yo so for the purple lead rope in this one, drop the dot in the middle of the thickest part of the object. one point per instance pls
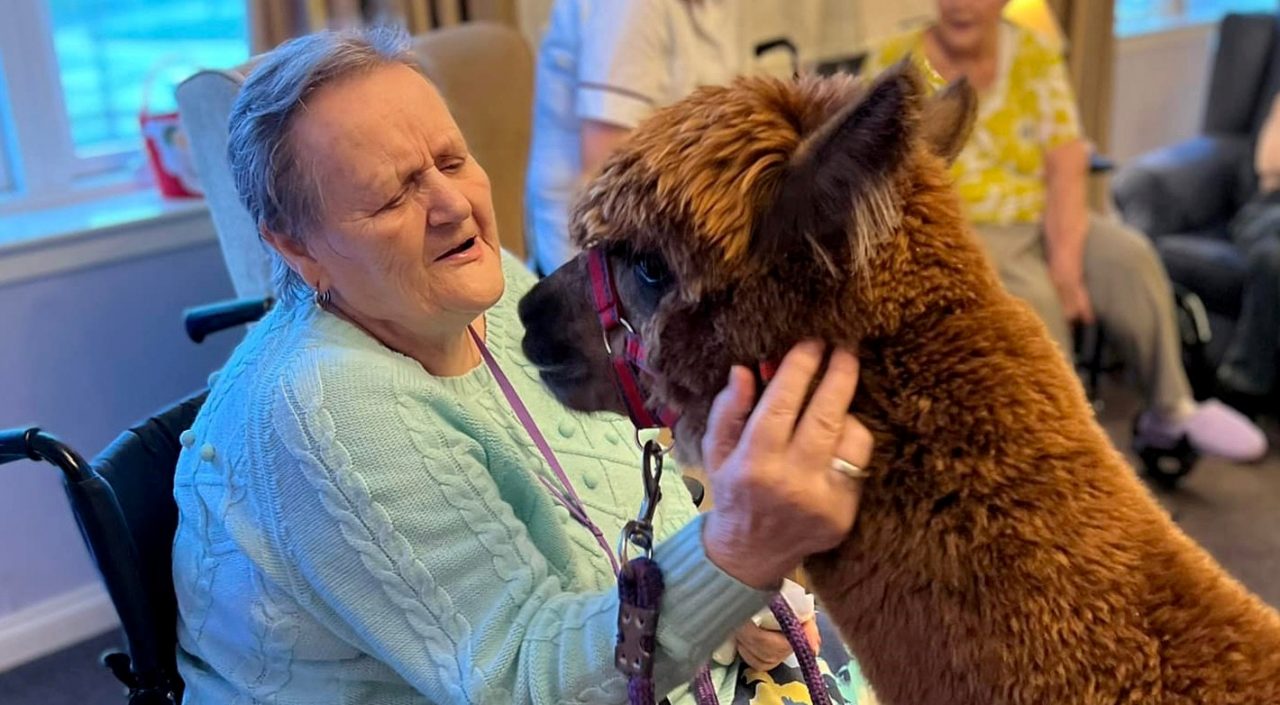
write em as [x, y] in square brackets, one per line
[704, 691]
[794, 630]
[565, 495]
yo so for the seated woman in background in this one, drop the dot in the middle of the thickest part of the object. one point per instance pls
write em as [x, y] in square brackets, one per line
[1247, 374]
[1022, 180]
[363, 516]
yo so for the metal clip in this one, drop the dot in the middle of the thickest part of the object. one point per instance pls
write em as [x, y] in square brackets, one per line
[639, 531]
[626, 325]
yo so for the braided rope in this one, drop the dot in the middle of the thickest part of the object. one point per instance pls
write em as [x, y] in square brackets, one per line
[704, 690]
[794, 632]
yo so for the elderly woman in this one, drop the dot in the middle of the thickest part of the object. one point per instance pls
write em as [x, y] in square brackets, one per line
[364, 516]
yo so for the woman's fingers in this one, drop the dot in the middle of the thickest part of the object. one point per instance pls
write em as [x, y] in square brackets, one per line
[856, 443]
[812, 634]
[770, 426]
[774, 482]
[824, 418]
[758, 661]
[761, 648]
[727, 418]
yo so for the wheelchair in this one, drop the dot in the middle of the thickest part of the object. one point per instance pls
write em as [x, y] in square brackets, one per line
[1165, 467]
[123, 504]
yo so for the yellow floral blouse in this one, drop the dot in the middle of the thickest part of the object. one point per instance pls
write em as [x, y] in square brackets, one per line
[1029, 111]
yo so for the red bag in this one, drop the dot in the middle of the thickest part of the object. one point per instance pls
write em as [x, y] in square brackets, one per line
[169, 154]
[168, 149]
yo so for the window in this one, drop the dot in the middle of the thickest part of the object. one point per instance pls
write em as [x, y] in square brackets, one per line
[1146, 16]
[87, 69]
[6, 148]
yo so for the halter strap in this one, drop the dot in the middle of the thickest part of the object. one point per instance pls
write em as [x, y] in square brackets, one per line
[630, 363]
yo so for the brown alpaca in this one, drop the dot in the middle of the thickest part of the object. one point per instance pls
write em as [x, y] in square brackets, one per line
[1004, 553]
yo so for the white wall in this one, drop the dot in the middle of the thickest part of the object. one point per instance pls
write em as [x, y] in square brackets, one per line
[84, 354]
[832, 27]
[1160, 85]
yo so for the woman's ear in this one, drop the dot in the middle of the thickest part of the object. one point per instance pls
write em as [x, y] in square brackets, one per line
[297, 256]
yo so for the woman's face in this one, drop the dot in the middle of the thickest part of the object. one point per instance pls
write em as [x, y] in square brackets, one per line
[406, 238]
[963, 25]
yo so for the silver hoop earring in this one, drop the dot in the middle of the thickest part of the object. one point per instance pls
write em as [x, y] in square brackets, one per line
[323, 297]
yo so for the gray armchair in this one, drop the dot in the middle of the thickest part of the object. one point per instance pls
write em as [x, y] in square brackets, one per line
[1183, 196]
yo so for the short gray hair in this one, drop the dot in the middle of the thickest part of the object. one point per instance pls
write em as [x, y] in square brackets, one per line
[273, 184]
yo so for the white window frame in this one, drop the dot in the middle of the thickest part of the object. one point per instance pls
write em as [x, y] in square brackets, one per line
[8, 145]
[1172, 15]
[42, 168]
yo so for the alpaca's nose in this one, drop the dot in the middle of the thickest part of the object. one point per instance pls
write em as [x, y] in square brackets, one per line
[541, 313]
[560, 326]
[533, 306]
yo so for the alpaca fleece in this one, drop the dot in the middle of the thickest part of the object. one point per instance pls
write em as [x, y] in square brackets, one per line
[1004, 552]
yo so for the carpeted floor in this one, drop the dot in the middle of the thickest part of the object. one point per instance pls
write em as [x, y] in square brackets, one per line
[69, 677]
[1234, 511]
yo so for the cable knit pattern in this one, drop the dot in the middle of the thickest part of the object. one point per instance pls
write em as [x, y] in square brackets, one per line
[466, 497]
[385, 553]
[359, 531]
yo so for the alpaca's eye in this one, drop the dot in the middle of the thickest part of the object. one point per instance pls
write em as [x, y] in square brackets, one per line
[652, 270]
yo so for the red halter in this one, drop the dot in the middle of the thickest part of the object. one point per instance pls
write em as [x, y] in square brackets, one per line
[630, 365]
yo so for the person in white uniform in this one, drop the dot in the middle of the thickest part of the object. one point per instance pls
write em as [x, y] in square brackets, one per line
[604, 65]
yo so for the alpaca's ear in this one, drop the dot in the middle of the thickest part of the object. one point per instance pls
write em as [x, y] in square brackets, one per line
[948, 118]
[840, 174]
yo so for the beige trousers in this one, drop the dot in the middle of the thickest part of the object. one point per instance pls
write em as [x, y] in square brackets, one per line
[1128, 287]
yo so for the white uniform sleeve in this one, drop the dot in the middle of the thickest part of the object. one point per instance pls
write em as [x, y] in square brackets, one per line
[624, 72]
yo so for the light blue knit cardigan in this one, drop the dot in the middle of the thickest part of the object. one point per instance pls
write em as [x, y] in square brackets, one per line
[355, 530]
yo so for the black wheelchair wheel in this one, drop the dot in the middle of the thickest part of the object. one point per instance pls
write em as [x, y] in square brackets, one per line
[1196, 334]
[1165, 466]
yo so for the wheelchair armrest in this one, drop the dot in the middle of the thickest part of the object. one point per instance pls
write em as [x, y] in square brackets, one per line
[203, 321]
[15, 444]
[1192, 185]
[1100, 163]
[34, 444]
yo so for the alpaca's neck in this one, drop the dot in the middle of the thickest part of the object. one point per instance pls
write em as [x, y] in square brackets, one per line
[943, 329]
[933, 268]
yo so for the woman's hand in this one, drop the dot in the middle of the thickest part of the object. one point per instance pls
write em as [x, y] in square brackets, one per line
[1069, 283]
[778, 500]
[764, 649]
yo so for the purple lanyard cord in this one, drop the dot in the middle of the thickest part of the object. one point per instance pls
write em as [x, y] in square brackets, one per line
[565, 495]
